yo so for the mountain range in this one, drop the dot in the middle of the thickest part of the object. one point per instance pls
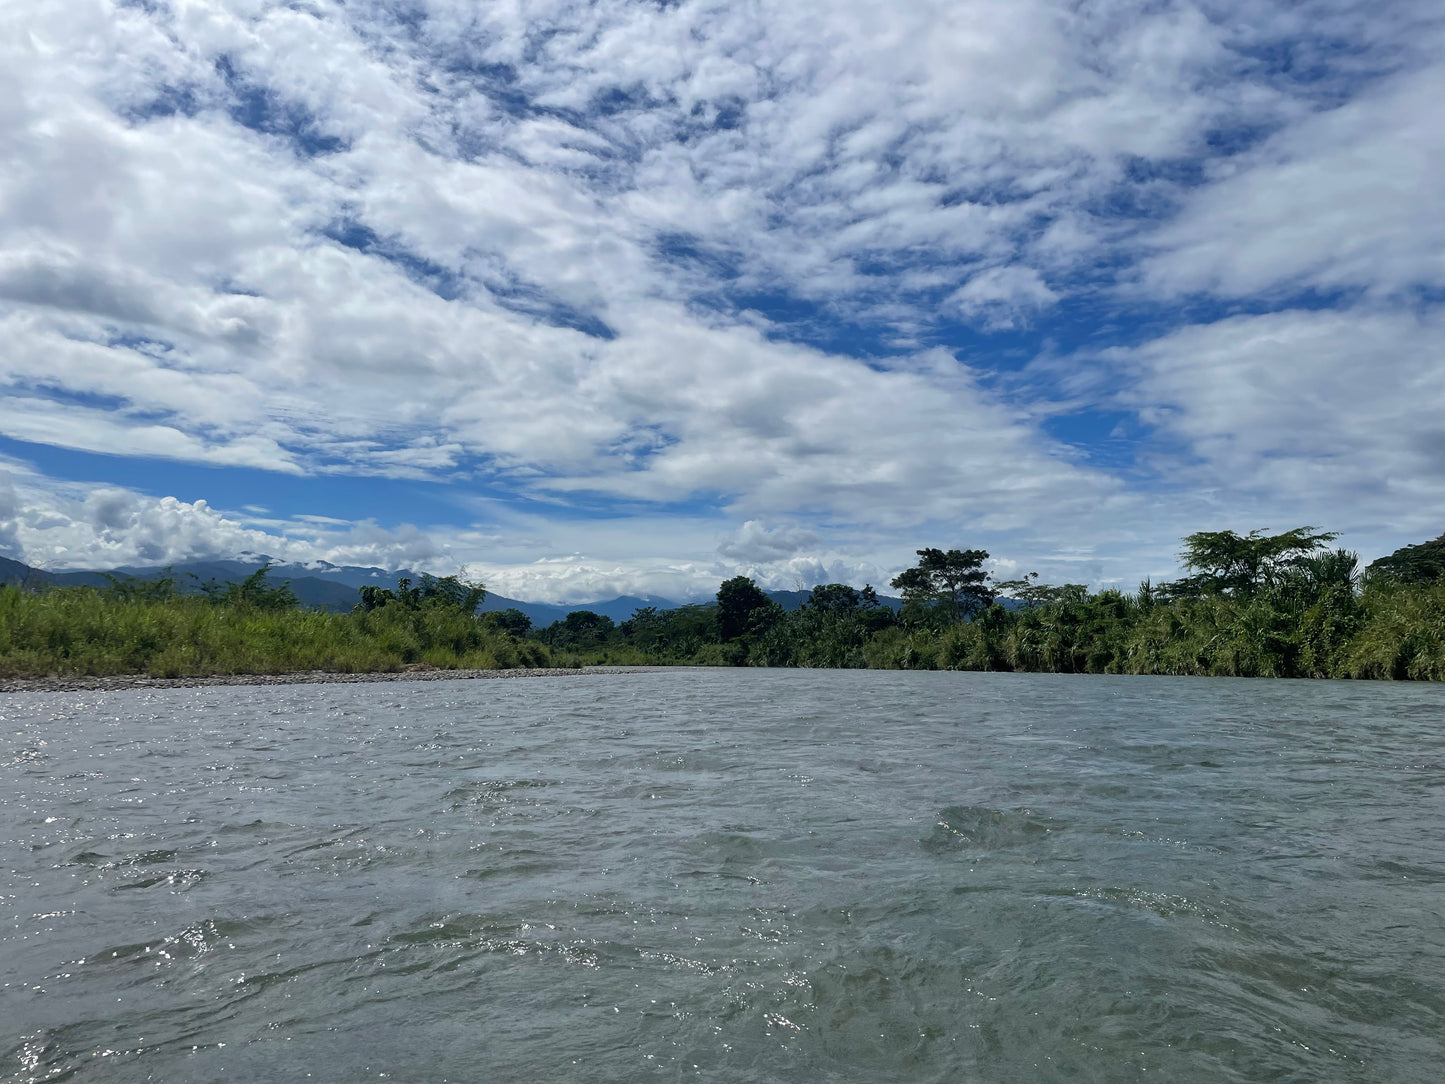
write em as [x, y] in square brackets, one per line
[322, 585]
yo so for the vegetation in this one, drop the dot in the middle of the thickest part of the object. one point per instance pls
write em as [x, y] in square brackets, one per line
[1255, 605]
[1424, 563]
[248, 628]
[944, 588]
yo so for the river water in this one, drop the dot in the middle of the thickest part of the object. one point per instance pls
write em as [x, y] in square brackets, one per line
[727, 876]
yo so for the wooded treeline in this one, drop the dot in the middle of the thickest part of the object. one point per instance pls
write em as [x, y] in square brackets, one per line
[1256, 605]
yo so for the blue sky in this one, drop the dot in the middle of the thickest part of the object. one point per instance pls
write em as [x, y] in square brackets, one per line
[591, 298]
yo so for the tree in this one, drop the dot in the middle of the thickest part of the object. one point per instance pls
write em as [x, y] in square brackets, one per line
[743, 609]
[834, 598]
[1031, 593]
[253, 591]
[587, 623]
[511, 620]
[130, 589]
[1411, 564]
[953, 582]
[1225, 563]
[450, 591]
[429, 593]
[675, 635]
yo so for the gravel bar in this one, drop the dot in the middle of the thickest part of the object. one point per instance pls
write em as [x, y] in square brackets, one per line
[117, 682]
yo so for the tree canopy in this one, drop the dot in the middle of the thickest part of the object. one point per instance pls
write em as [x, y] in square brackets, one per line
[1280, 605]
[1225, 563]
[254, 591]
[743, 609]
[429, 592]
[511, 620]
[953, 581]
[1420, 563]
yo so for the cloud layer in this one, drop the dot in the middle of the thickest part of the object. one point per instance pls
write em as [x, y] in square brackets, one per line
[789, 288]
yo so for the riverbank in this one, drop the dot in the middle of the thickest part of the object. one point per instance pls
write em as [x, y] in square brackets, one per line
[123, 682]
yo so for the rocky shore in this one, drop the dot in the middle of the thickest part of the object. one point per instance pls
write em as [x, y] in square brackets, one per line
[118, 682]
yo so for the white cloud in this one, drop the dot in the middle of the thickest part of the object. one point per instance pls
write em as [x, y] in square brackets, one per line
[1306, 416]
[65, 526]
[1350, 198]
[513, 243]
[754, 541]
[10, 545]
[1002, 297]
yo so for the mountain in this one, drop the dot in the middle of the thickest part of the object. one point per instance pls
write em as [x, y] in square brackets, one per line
[20, 575]
[791, 600]
[320, 585]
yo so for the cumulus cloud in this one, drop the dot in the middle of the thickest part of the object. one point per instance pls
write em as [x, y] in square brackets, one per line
[9, 527]
[587, 252]
[1310, 416]
[1001, 297]
[1349, 198]
[756, 542]
[63, 527]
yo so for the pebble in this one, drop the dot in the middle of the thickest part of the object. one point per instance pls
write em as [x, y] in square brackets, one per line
[118, 682]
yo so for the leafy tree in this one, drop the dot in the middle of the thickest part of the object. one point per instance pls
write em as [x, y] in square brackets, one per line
[1026, 589]
[130, 589]
[373, 597]
[830, 628]
[511, 620]
[579, 630]
[834, 598]
[253, 592]
[671, 635]
[871, 614]
[952, 582]
[587, 622]
[451, 591]
[1225, 563]
[429, 593]
[1423, 563]
[744, 610]
[643, 629]
[1032, 593]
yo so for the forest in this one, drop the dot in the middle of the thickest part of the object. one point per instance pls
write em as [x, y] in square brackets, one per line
[1252, 605]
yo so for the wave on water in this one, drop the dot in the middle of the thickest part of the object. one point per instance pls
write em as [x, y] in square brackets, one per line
[728, 876]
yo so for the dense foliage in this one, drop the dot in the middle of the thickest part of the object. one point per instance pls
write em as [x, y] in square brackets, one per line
[248, 628]
[1254, 605]
[1412, 564]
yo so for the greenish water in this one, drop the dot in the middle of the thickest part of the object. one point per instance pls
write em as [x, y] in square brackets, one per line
[726, 875]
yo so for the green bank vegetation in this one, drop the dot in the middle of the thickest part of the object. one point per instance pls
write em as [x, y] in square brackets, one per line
[248, 628]
[1255, 605]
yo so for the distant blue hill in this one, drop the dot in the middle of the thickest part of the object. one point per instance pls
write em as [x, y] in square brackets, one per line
[791, 600]
[322, 585]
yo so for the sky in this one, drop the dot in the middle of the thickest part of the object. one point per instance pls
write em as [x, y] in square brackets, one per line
[581, 299]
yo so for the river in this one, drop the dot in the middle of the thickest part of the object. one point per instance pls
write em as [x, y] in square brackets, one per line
[726, 875]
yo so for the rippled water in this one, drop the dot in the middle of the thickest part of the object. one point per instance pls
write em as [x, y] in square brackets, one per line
[726, 875]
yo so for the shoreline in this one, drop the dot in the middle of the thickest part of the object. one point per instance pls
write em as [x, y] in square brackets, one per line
[123, 682]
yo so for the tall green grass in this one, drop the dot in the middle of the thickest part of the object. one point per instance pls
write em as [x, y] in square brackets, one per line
[1388, 631]
[81, 631]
